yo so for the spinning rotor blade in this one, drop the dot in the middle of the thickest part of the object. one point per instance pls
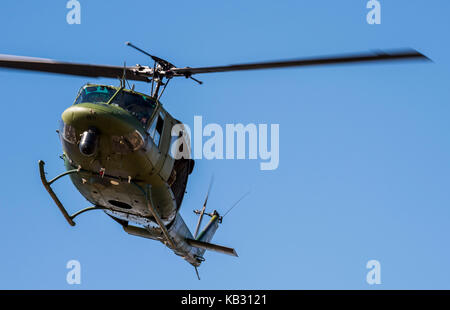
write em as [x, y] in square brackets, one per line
[202, 212]
[53, 66]
[376, 56]
[168, 70]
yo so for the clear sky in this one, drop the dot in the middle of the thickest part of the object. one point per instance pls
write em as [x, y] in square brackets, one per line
[364, 167]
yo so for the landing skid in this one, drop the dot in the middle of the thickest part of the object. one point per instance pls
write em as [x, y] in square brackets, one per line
[47, 185]
[69, 218]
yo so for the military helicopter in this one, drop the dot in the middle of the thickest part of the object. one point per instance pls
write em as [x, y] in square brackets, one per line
[116, 145]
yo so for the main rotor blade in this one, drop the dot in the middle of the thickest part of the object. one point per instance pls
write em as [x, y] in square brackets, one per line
[376, 56]
[53, 66]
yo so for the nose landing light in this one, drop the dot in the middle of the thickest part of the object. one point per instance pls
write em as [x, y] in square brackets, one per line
[89, 142]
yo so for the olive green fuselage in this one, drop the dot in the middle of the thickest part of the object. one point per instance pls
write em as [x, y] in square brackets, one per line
[128, 155]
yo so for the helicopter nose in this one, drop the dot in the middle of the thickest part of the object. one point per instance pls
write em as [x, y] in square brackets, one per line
[106, 120]
[89, 142]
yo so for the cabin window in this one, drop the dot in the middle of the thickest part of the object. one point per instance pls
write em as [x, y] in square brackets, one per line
[156, 129]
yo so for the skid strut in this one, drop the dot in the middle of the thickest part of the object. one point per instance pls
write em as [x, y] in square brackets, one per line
[155, 215]
[47, 185]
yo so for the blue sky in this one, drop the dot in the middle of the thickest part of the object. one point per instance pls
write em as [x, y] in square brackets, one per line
[364, 150]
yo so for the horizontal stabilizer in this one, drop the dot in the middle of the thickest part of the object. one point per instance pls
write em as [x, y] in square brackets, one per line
[141, 232]
[212, 247]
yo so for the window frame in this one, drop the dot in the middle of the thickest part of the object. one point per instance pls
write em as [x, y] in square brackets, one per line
[152, 129]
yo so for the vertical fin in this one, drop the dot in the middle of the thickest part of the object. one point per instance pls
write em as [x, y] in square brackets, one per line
[210, 229]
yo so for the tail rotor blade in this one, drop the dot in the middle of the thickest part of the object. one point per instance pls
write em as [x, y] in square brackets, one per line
[202, 212]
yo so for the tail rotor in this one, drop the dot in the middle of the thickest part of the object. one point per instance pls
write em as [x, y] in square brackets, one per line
[202, 211]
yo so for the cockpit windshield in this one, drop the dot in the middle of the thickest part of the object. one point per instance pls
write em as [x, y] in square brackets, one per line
[140, 106]
[95, 94]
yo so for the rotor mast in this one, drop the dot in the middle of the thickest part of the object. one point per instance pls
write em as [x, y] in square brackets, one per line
[160, 65]
[161, 69]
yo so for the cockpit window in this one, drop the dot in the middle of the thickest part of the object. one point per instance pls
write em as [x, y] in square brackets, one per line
[138, 105]
[95, 94]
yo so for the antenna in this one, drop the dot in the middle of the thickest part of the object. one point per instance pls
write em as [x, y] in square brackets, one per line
[123, 79]
[235, 204]
[196, 271]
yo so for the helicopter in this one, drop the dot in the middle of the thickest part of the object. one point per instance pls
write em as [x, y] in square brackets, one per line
[117, 145]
